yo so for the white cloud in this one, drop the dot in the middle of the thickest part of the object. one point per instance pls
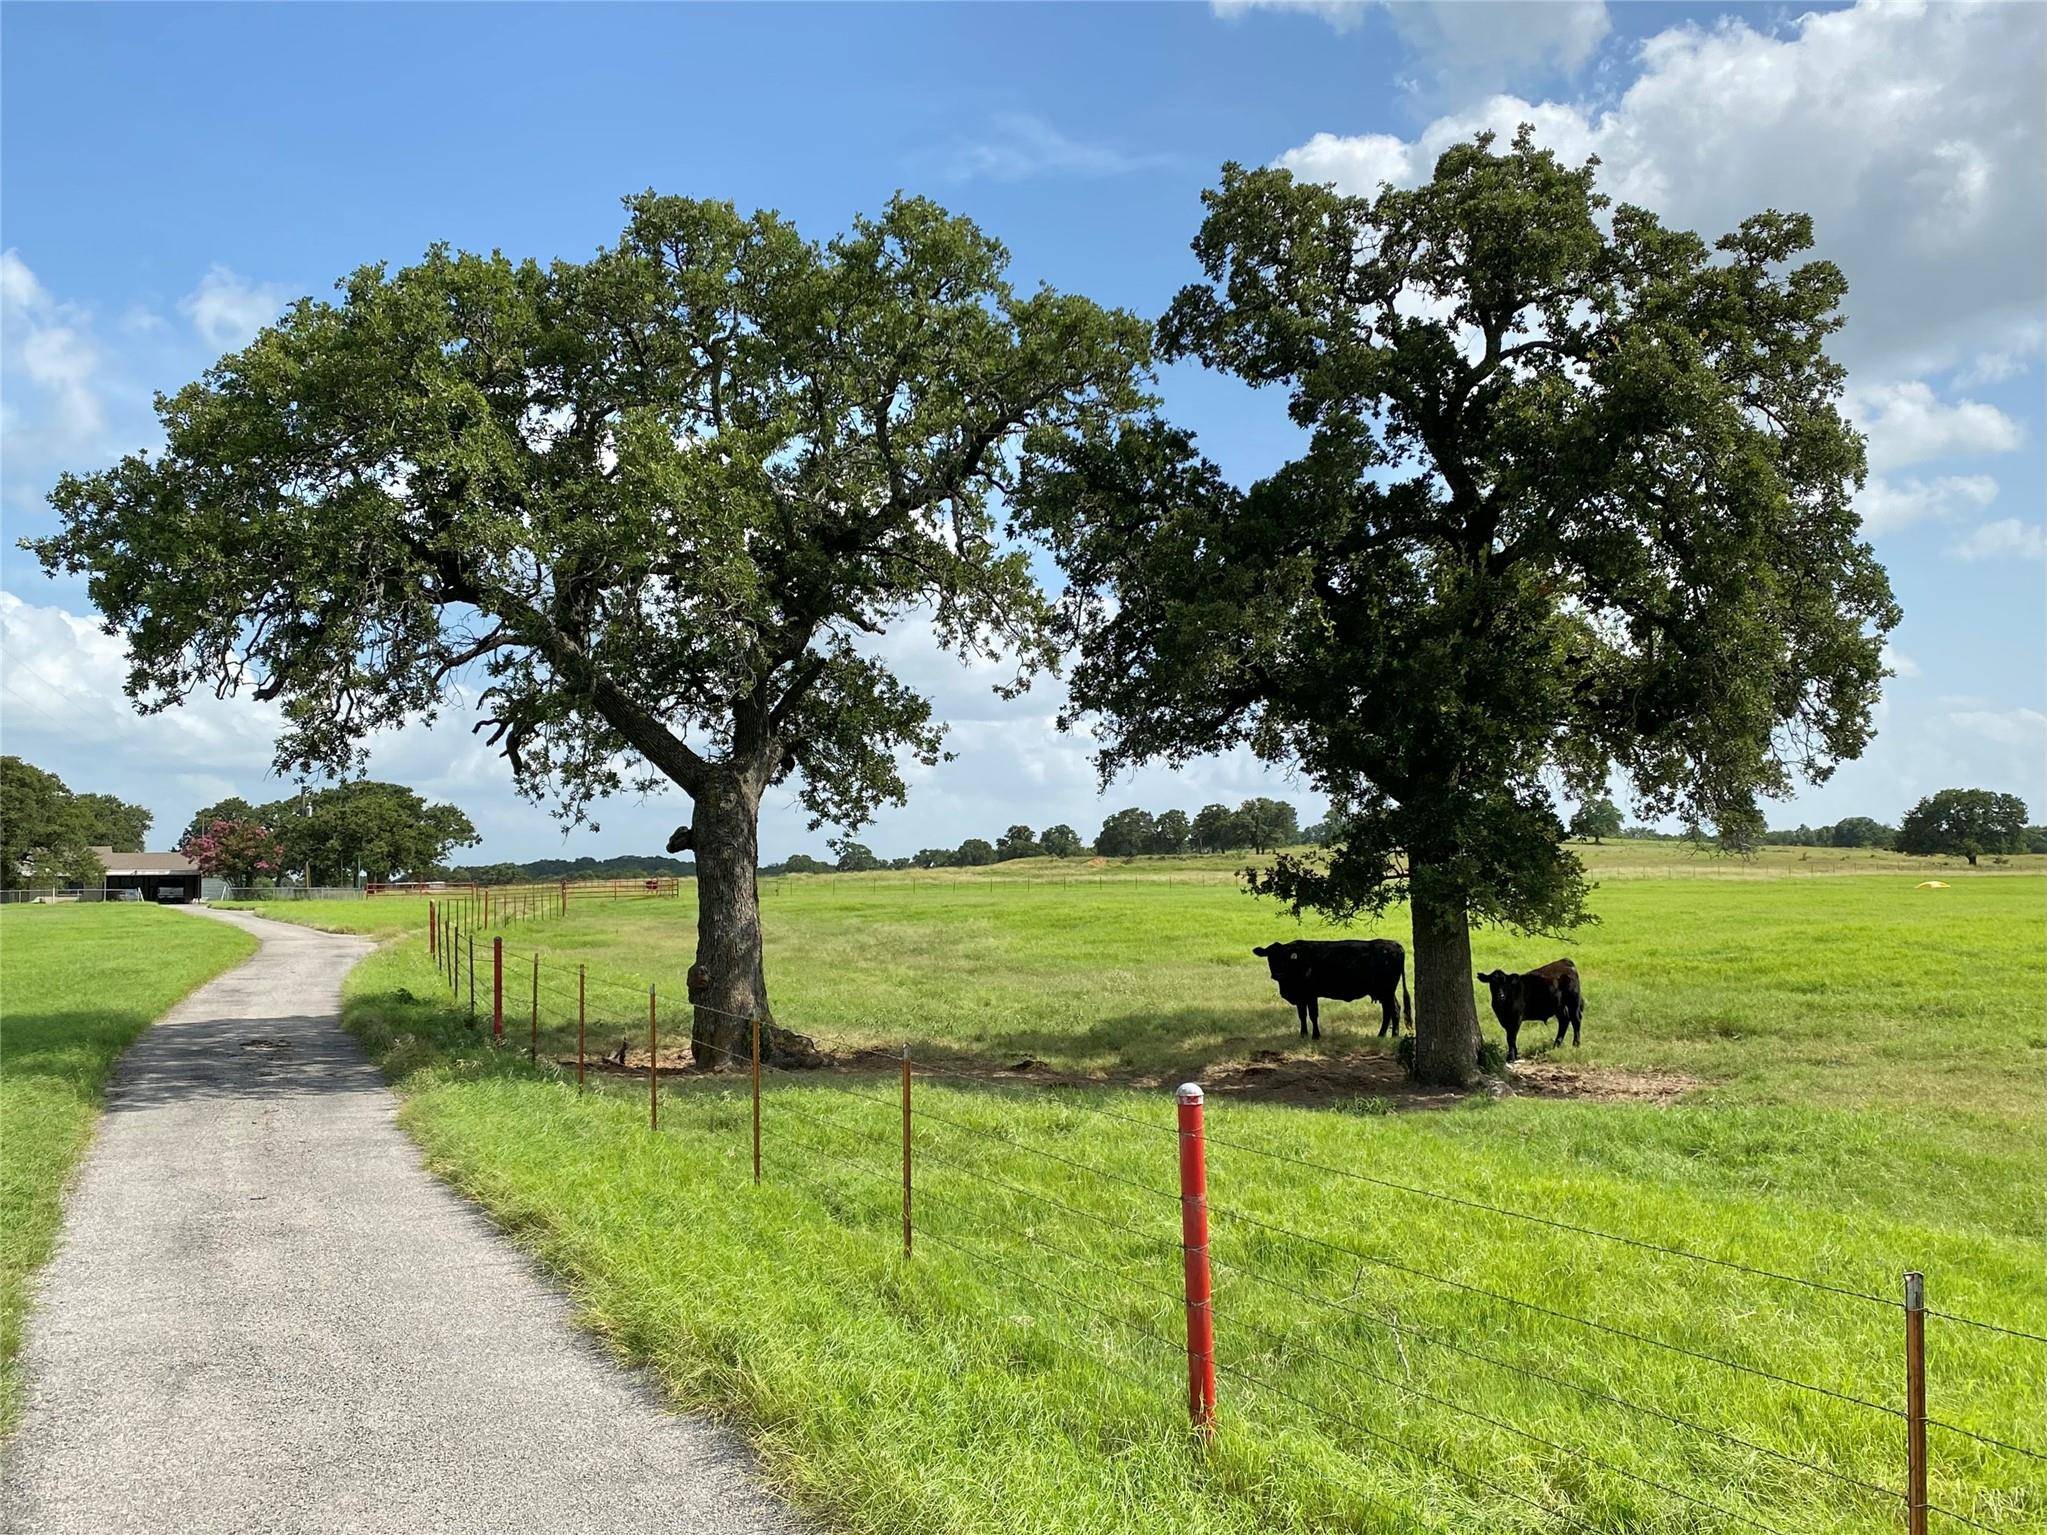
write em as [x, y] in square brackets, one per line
[1898, 663]
[2004, 727]
[1021, 146]
[1468, 45]
[2006, 539]
[1907, 424]
[49, 348]
[227, 309]
[1911, 133]
[1887, 506]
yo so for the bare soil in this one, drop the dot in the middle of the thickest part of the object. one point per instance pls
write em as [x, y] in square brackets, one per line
[1267, 1076]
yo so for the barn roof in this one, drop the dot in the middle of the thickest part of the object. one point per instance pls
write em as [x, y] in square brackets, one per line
[144, 863]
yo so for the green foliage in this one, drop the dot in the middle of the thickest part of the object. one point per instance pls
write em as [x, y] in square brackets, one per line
[1576, 498]
[974, 852]
[1966, 822]
[384, 831]
[1017, 842]
[80, 982]
[1126, 834]
[113, 823]
[1596, 820]
[854, 857]
[47, 833]
[1062, 841]
[1170, 831]
[1268, 823]
[1216, 829]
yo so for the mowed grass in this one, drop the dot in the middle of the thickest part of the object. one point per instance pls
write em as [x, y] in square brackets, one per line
[1867, 1060]
[77, 984]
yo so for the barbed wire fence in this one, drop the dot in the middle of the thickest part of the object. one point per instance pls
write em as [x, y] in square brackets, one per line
[927, 1159]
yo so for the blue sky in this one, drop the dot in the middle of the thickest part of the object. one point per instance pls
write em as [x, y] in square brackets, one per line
[169, 176]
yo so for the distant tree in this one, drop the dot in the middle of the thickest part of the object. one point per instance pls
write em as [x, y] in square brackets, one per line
[974, 853]
[114, 823]
[854, 857]
[1061, 841]
[1596, 820]
[935, 858]
[1017, 842]
[2036, 839]
[1268, 823]
[1968, 822]
[1574, 496]
[233, 808]
[899, 863]
[44, 836]
[1170, 832]
[1126, 834]
[237, 851]
[1861, 831]
[365, 828]
[802, 863]
[1217, 829]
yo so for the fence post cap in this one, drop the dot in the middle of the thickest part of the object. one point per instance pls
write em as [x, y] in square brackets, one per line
[1190, 1092]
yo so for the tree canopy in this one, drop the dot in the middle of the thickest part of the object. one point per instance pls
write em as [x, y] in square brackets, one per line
[648, 505]
[1576, 498]
[47, 833]
[1964, 822]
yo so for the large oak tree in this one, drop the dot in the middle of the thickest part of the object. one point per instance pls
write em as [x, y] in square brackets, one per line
[1575, 497]
[655, 498]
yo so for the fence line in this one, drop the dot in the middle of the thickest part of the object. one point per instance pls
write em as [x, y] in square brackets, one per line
[871, 1150]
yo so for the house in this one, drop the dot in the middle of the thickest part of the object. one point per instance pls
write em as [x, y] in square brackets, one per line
[159, 876]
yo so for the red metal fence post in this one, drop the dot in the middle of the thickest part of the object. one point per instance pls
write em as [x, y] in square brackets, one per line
[1194, 1248]
[653, 1064]
[497, 989]
[906, 1149]
[1915, 1403]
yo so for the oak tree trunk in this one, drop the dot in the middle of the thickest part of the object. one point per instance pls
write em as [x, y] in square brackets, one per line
[727, 986]
[1445, 1015]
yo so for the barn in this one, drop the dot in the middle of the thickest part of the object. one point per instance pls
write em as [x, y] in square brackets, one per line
[158, 876]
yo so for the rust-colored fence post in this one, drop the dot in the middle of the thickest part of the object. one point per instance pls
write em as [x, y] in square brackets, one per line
[756, 1100]
[1194, 1248]
[582, 991]
[433, 932]
[497, 990]
[906, 1148]
[1915, 1403]
[653, 1063]
[533, 1050]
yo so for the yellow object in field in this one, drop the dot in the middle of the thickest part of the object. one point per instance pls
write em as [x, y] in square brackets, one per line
[1931, 884]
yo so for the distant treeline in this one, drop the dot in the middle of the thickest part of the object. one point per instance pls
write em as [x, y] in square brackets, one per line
[625, 866]
[1960, 821]
[1257, 825]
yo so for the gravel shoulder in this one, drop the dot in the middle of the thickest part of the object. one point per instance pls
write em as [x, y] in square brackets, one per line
[265, 1315]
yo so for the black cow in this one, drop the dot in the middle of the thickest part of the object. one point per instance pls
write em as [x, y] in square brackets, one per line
[1343, 970]
[1534, 995]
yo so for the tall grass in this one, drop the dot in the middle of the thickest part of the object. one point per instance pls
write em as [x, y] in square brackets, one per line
[1867, 1058]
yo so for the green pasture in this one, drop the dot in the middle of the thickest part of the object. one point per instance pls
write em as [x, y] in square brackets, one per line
[1847, 1081]
[77, 984]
